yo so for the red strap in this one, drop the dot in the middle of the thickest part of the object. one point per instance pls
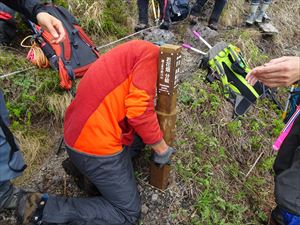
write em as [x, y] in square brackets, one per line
[65, 82]
[5, 15]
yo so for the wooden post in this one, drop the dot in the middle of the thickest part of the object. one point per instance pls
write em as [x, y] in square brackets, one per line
[168, 71]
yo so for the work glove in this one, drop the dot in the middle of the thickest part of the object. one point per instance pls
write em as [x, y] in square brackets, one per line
[164, 158]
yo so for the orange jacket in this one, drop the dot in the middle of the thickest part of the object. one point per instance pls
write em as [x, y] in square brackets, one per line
[114, 99]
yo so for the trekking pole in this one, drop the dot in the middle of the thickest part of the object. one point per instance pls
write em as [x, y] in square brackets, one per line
[202, 39]
[284, 113]
[17, 72]
[187, 46]
[154, 12]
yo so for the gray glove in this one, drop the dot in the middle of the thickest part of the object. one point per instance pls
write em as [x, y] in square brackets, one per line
[164, 158]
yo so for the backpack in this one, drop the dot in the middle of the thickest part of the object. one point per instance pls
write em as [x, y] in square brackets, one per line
[74, 55]
[231, 68]
[179, 10]
[292, 103]
[7, 24]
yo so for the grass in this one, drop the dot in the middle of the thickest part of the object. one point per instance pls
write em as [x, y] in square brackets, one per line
[214, 152]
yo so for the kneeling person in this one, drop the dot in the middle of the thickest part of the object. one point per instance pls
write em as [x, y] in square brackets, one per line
[114, 103]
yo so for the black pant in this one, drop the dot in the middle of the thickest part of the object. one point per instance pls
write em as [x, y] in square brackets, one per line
[216, 13]
[143, 6]
[287, 172]
[119, 203]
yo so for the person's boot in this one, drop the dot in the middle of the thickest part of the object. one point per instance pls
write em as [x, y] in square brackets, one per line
[213, 25]
[81, 181]
[12, 201]
[260, 17]
[140, 26]
[252, 16]
[276, 217]
[165, 25]
[30, 208]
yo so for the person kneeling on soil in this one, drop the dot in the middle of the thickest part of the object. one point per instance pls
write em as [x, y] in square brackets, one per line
[284, 72]
[215, 15]
[112, 111]
[11, 160]
[258, 18]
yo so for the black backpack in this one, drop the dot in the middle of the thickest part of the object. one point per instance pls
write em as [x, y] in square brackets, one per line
[7, 24]
[180, 9]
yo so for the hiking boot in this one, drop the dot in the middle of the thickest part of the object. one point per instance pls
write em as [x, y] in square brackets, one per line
[193, 20]
[259, 18]
[276, 217]
[251, 19]
[81, 181]
[266, 18]
[213, 26]
[165, 25]
[140, 26]
[30, 208]
[11, 202]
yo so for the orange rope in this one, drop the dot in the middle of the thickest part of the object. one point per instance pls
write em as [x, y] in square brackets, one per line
[35, 55]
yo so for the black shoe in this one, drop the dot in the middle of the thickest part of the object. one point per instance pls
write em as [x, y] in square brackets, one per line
[213, 26]
[276, 217]
[140, 26]
[165, 25]
[193, 19]
[13, 200]
[81, 181]
[30, 208]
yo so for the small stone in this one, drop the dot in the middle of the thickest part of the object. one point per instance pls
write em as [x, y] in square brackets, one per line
[154, 197]
[145, 209]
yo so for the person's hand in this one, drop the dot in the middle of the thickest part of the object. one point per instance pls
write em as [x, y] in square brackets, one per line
[162, 153]
[52, 25]
[278, 72]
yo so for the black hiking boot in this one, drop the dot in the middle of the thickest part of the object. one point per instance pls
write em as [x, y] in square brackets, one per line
[12, 201]
[276, 217]
[213, 26]
[165, 25]
[140, 26]
[30, 208]
[81, 181]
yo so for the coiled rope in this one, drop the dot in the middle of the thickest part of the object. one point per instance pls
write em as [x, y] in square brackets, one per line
[35, 54]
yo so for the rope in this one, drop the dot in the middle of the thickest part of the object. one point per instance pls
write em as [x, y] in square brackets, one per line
[35, 55]
[17, 72]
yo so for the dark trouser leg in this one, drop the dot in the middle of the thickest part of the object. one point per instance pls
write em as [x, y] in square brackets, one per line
[287, 172]
[114, 178]
[197, 7]
[216, 13]
[6, 191]
[143, 11]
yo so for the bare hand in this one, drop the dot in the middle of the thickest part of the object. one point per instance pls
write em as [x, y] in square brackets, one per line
[160, 147]
[278, 72]
[52, 25]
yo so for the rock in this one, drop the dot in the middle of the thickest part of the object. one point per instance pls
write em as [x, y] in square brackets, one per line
[154, 197]
[145, 209]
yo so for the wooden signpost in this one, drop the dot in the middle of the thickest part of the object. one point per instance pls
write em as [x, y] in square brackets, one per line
[168, 71]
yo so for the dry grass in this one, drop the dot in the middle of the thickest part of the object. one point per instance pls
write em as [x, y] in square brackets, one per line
[58, 104]
[34, 149]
